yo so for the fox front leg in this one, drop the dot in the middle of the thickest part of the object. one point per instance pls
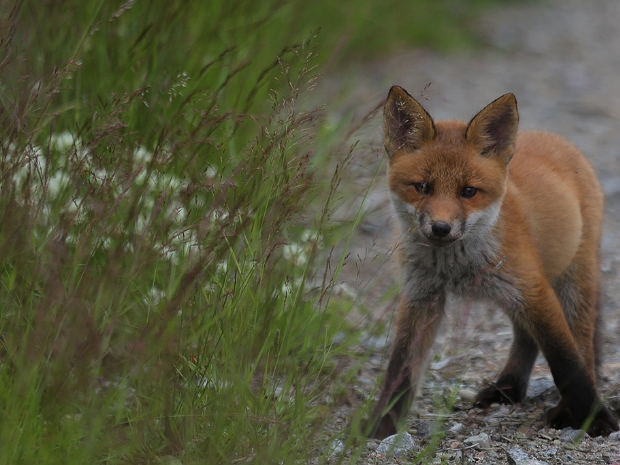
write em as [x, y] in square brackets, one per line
[416, 329]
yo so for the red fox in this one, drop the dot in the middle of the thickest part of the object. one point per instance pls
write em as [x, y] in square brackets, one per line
[485, 212]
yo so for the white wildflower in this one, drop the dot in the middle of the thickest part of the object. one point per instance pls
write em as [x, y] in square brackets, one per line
[219, 215]
[345, 290]
[287, 288]
[310, 236]
[153, 296]
[211, 172]
[63, 141]
[179, 214]
[222, 267]
[57, 183]
[142, 156]
[295, 254]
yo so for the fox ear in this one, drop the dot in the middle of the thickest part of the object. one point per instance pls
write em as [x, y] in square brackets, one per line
[494, 129]
[406, 124]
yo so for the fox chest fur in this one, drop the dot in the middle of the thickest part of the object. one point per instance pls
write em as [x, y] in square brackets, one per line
[470, 269]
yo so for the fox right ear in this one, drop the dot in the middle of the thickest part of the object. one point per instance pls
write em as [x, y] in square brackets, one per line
[406, 124]
[494, 129]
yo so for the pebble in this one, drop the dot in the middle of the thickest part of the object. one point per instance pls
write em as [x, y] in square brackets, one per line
[335, 448]
[482, 440]
[456, 428]
[425, 429]
[517, 456]
[540, 386]
[375, 343]
[572, 435]
[397, 445]
[467, 394]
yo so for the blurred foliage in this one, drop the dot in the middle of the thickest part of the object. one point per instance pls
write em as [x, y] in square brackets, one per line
[161, 212]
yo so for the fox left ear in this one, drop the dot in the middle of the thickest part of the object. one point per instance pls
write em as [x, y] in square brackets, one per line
[406, 123]
[494, 129]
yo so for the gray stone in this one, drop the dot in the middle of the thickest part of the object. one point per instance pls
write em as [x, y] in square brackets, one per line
[467, 394]
[397, 445]
[335, 448]
[517, 456]
[482, 441]
[456, 428]
[572, 435]
[540, 386]
[425, 429]
[374, 343]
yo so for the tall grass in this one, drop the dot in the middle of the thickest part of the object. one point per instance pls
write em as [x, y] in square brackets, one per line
[160, 212]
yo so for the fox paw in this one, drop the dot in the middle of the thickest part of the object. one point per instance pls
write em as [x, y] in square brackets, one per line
[603, 424]
[495, 394]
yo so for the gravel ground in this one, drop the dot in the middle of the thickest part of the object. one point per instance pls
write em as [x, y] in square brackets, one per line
[561, 58]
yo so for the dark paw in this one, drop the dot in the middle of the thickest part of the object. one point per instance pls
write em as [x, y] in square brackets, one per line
[495, 394]
[603, 423]
[379, 428]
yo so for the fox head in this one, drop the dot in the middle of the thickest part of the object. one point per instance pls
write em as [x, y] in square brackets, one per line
[447, 179]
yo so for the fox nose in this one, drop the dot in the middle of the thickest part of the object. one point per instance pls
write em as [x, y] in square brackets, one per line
[441, 229]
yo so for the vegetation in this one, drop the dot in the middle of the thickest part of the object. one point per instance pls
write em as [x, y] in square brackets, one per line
[165, 188]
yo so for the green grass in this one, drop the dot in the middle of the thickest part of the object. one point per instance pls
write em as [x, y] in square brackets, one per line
[164, 192]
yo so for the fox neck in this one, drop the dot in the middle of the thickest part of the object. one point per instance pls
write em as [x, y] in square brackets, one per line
[429, 270]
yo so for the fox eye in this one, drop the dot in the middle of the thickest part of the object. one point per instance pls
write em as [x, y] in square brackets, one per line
[468, 192]
[422, 188]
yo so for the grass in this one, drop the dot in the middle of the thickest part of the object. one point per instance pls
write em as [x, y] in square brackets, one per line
[165, 190]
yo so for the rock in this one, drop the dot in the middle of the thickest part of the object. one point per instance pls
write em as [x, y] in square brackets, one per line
[397, 445]
[482, 440]
[425, 429]
[441, 364]
[374, 343]
[540, 386]
[335, 448]
[456, 428]
[467, 394]
[572, 435]
[517, 456]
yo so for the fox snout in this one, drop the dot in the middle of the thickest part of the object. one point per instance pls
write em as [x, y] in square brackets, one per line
[440, 232]
[441, 229]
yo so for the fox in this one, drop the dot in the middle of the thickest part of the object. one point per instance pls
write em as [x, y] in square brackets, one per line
[485, 212]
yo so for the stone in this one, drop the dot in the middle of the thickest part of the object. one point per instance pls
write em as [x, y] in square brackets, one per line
[572, 435]
[517, 456]
[539, 387]
[335, 448]
[482, 441]
[425, 429]
[397, 445]
[457, 428]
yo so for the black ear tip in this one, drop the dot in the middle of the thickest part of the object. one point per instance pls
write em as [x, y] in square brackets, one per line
[397, 91]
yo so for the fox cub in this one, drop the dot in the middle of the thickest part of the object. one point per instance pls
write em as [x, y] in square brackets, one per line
[485, 212]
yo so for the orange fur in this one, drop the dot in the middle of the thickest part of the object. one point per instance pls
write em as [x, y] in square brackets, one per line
[486, 212]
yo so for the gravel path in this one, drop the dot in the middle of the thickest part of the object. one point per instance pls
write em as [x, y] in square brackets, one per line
[561, 58]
